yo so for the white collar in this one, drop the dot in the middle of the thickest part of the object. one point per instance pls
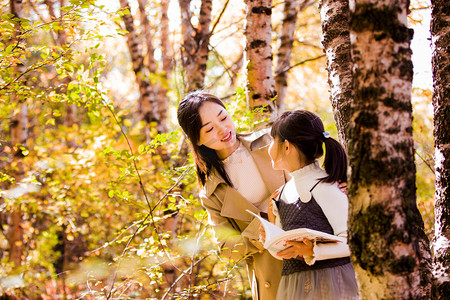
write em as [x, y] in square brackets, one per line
[302, 181]
[306, 169]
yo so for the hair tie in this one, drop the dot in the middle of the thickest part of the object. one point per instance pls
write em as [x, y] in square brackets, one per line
[326, 134]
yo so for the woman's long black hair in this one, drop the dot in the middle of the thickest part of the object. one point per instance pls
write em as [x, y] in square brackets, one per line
[305, 131]
[189, 119]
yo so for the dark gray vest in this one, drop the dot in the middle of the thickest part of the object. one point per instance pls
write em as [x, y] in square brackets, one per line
[305, 215]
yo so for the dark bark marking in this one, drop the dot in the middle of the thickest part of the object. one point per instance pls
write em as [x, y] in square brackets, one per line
[262, 10]
[382, 20]
[361, 235]
[257, 43]
[367, 119]
[397, 105]
[403, 265]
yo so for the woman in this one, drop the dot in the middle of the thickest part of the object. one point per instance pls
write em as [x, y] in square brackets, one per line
[235, 174]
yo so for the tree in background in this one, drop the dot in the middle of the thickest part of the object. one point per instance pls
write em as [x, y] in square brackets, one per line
[291, 9]
[61, 41]
[440, 30]
[283, 57]
[391, 256]
[148, 107]
[166, 59]
[260, 87]
[195, 47]
[19, 136]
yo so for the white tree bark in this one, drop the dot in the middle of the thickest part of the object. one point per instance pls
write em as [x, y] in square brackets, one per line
[260, 81]
[386, 236]
[440, 30]
[336, 43]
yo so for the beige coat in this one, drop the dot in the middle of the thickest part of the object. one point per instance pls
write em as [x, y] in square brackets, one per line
[236, 231]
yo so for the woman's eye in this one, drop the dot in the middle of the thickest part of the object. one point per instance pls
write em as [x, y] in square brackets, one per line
[224, 118]
[209, 130]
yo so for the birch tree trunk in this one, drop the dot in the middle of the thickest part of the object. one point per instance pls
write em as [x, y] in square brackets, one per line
[160, 91]
[195, 43]
[283, 57]
[336, 43]
[165, 39]
[260, 81]
[19, 134]
[440, 31]
[146, 32]
[147, 101]
[389, 248]
[291, 9]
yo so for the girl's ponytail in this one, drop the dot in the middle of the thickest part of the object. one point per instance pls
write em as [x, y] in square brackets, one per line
[335, 162]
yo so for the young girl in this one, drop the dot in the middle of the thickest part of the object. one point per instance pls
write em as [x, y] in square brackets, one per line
[235, 174]
[311, 199]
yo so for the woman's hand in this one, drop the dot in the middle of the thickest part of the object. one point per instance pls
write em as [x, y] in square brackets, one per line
[270, 214]
[343, 186]
[303, 248]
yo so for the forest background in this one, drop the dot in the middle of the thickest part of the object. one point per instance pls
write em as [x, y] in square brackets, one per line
[99, 195]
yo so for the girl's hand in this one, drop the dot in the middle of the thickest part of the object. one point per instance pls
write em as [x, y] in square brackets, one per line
[303, 248]
[262, 234]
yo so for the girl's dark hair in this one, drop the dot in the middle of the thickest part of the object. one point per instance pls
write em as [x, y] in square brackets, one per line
[189, 119]
[305, 131]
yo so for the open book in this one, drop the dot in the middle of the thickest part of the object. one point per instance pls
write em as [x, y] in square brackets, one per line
[276, 237]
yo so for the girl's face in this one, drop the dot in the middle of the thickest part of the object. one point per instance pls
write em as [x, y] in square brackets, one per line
[218, 131]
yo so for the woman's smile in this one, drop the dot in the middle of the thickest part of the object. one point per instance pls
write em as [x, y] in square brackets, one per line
[228, 137]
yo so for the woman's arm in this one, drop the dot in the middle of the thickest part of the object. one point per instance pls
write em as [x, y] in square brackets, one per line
[232, 242]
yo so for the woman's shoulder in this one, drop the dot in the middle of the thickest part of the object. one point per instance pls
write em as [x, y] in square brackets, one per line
[256, 140]
[211, 184]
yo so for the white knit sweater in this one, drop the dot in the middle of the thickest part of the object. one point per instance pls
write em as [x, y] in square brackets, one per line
[239, 165]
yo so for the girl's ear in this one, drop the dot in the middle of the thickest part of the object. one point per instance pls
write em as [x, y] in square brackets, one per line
[287, 146]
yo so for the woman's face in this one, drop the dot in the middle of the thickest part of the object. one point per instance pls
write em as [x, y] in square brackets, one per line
[218, 131]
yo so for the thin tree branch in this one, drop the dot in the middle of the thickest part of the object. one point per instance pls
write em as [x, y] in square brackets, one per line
[426, 162]
[219, 17]
[299, 63]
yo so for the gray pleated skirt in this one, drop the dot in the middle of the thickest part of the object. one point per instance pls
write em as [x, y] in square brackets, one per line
[337, 283]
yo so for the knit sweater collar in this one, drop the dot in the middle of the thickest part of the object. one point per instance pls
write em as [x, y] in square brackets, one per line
[306, 171]
[302, 181]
